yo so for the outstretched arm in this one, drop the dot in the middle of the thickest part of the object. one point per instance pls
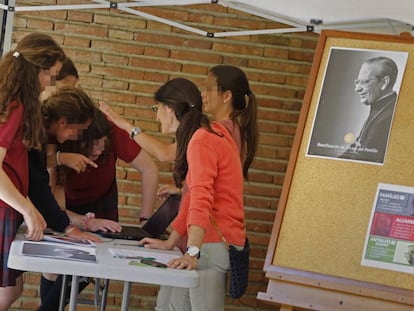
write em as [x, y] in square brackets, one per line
[161, 150]
[149, 172]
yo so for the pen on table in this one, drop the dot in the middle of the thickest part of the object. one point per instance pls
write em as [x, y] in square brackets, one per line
[127, 244]
[133, 257]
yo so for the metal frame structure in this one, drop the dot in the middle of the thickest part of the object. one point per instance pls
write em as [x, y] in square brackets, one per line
[314, 25]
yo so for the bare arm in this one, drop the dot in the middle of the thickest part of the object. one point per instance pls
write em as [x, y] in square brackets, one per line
[164, 152]
[161, 150]
[149, 172]
[195, 238]
[10, 195]
[172, 241]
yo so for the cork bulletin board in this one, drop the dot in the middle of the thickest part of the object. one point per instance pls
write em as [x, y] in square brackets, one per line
[327, 198]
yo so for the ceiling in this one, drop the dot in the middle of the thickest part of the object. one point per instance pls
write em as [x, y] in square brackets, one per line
[379, 16]
[336, 12]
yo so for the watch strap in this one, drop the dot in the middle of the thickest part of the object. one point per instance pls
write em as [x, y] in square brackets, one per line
[135, 131]
[189, 251]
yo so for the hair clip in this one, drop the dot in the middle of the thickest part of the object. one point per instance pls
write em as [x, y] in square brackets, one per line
[16, 54]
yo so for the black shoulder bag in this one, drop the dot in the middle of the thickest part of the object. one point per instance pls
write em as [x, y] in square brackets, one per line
[239, 266]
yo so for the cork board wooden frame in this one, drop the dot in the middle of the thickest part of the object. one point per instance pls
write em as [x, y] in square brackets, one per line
[314, 255]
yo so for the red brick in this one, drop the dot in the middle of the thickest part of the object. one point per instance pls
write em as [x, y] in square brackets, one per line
[80, 16]
[41, 24]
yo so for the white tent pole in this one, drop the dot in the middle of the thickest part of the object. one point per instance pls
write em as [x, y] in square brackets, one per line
[62, 7]
[163, 2]
[107, 4]
[123, 7]
[309, 28]
[259, 32]
[8, 30]
[262, 13]
[165, 21]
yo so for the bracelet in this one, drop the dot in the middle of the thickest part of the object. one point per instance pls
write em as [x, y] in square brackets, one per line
[141, 219]
[85, 219]
[58, 158]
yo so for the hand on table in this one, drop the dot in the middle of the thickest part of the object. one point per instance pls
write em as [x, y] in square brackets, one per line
[156, 243]
[186, 262]
[84, 235]
[101, 224]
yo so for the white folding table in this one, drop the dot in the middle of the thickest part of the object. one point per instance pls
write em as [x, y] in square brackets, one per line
[106, 267]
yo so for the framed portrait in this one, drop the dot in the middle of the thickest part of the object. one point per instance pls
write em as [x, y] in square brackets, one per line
[314, 256]
[356, 104]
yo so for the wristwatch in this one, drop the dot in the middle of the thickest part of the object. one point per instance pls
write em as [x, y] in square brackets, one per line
[193, 251]
[135, 131]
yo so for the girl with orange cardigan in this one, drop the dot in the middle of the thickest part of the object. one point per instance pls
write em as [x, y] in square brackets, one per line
[208, 160]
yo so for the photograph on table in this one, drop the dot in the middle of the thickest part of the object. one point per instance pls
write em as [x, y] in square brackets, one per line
[59, 251]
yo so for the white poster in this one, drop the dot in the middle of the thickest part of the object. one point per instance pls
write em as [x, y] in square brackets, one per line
[389, 242]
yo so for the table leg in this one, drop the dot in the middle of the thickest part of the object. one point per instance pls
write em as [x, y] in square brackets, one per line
[74, 293]
[104, 294]
[63, 292]
[125, 296]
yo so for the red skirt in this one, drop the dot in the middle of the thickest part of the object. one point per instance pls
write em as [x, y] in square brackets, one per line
[10, 220]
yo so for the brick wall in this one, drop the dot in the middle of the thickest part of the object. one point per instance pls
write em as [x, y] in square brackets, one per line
[123, 59]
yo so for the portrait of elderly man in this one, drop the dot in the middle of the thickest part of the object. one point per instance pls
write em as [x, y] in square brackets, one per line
[374, 86]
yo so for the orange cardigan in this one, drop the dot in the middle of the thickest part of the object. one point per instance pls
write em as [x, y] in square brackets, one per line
[215, 187]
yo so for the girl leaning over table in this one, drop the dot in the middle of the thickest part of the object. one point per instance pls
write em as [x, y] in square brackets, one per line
[67, 115]
[87, 175]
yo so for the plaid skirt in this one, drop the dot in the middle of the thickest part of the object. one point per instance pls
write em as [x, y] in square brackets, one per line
[10, 220]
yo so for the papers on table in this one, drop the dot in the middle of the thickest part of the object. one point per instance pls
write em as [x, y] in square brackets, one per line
[146, 253]
[59, 251]
[53, 236]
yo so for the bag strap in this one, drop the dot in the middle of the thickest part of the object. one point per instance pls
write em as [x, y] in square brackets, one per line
[213, 222]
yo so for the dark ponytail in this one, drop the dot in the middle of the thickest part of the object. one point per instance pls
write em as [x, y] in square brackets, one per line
[233, 79]
[183, 96]
[247, 120]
